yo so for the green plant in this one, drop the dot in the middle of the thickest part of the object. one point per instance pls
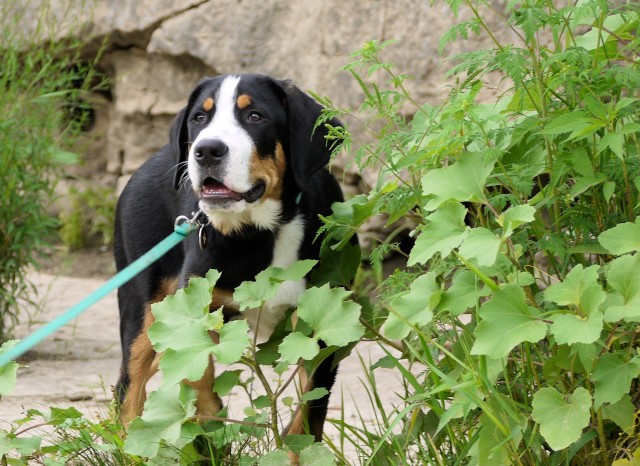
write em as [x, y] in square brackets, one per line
[519, 309]
[89, 214]
[43, 80]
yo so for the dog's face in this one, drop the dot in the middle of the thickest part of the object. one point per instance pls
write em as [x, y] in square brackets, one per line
[241, 138]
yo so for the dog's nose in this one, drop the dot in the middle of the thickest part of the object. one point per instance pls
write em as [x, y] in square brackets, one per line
[210, 151]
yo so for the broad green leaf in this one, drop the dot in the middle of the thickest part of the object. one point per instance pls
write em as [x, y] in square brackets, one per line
[297, 442]
[413, 308]
[226, 381]
[569, 291]
[622, 413]
[506, 321]
[296, 345]
[480, 245]
[8, 372]
[164, 413]
[514, 217]
[561, 419]
[580, 289]
[234, 340]
[445, 231]
[461, 181]
[464, 293]
[624, 278]
[621, 239]
[570, 328]
[317, 455]
[613, 376]
[274, 458]
[253, 294]
[334, 320]
[181, 331]
[337, 267]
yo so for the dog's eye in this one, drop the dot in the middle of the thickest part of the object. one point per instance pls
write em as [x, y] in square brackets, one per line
[199, 117]
[254, 116]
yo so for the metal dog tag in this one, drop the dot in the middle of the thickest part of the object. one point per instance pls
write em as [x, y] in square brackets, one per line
[203, 238]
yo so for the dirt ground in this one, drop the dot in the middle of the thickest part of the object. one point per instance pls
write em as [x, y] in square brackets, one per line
[79, 365]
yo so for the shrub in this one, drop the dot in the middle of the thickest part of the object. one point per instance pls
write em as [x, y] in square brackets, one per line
[520, 297]
[41, 113]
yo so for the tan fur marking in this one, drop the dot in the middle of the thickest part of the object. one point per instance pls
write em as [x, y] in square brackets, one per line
[143, 363]
[207, 403]
[208, 104]
[271, 171]
[243, 101]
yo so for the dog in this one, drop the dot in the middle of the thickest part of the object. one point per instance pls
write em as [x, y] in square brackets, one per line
[246, 152]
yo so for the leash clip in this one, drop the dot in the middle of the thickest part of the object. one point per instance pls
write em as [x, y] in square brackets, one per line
[191, 223]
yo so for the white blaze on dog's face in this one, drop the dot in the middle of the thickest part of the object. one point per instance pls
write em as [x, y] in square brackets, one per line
[236, 161]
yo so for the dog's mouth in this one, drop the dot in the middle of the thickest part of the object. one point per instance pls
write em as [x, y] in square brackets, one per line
[216, 192]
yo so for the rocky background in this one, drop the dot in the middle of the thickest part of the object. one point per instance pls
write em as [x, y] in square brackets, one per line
[157, 50]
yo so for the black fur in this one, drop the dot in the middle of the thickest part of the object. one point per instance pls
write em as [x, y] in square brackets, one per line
[159, 192]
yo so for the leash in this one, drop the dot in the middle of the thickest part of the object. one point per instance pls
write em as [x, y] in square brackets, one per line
[181, 229]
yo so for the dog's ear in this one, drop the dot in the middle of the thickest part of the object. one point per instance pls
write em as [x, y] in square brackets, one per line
[309, 148]
[179, 144]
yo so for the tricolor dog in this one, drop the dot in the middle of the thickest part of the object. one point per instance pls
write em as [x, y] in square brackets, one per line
[244, 151]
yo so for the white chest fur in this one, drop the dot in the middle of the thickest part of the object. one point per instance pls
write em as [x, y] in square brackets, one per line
[285, 253]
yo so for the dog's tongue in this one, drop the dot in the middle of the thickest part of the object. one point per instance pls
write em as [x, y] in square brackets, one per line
[212, 188]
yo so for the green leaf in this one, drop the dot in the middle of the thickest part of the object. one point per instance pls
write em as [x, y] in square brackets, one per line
[337, 267]
[315, 394]
[570, 290]
[561, 420]
[580, 289]
[445, 231]
[181, 331]
[253, 294]
[613, 377]
[507, 321]
[570, 328]
[624, 279]
[296, 442]
[333, 320]
[608, 189]
[8, 372]
[621, 239]
[317, 455]
[622, 413]
[462, 181]
[613, 141]
[413, 308]
[274, 458]
[234, 340]
[165, 411]
[464, 293]
[515, 217]
[296, 345]
[226, 381]
[480, 245]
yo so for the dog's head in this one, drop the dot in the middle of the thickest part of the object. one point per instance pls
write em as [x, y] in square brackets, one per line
[242, 142]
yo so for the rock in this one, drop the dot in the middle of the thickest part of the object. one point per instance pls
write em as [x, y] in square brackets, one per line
[158, 49]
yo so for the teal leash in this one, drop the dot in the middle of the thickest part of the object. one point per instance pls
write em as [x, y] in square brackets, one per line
[183, 226]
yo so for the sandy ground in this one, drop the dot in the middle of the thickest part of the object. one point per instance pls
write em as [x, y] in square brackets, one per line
[80, 364]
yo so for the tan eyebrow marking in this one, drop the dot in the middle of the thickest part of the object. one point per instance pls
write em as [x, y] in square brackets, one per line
[243, 101]
[207, 104]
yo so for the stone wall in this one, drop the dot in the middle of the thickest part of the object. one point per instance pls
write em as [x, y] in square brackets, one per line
[159, 49]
